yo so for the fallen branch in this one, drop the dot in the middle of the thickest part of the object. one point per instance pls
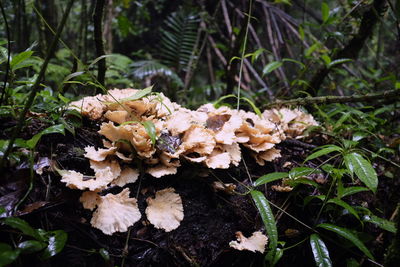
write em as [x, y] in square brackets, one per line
[390, 94]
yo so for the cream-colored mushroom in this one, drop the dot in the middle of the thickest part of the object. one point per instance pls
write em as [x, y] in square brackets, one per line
[165, 211]
[115, 213]
[256, 242]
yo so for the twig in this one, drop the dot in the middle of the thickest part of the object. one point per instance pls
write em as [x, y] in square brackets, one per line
[390, 94]
[8, 52]
[36, 85]
[98, 39]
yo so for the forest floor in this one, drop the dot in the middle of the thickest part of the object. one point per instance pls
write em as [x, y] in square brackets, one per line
[211, 217]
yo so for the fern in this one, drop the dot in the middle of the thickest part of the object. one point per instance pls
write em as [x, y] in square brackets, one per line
[146, 68]
[178, 40]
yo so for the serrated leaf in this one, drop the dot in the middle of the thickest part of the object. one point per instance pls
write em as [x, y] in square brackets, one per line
[271, 67]
[380, 222]
[363, 169]
[270, 177]
[324, 151]
[267, 216]
[56, 242]
[320, 251]
[345, 233]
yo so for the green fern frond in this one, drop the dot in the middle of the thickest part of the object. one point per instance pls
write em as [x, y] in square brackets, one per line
[146, 68]
[178, 40]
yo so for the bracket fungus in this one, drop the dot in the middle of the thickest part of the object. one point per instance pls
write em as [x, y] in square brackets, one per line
[256, 242]
[139, 126]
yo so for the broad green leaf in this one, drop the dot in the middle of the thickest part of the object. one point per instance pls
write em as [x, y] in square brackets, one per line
[270, 177]
[301, 171]
[312, 49]
[59, 128]
[352, 190]
[325, 11]
[267, 217]
[320, 251]
[344, 205]
[19, 58]
[327, 59]
[363, 169]
[300, 180]
[151, 131]
[56, 242]
[271, 67]
[7, 254]
[324, 151]
[98, 59]
[31, 246]
[380, 222]
[345, 233]
[23, 226]
[294, 61]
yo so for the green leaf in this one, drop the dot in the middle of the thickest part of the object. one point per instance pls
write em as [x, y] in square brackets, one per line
[344, 205]
[98, 59]
[31, 246]
[267, 217]
[320, 251]
[56, 242]
[352, 190]
[380, 222]
[20, 58]
[151, 131]
[59, 128]
[327, 59]
[325, 11]
[7, 254]
[73, 75]
[23, 226]
[139, 94]
[301, 171]
[104, 254]
[270, 177]
[363, 169]
[338, 61]
[271, 67]
[294, 61]
[253, 106]
[324, 151]
[345, 233]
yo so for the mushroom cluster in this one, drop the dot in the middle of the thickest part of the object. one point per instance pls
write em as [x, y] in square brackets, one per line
[149, 132]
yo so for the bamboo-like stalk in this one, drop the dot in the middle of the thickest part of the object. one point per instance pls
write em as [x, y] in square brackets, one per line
[385, 95]
[36, 85]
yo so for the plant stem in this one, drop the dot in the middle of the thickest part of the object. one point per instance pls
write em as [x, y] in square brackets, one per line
[98, 39]
[36, 85]
[389, 94]
[242, 57]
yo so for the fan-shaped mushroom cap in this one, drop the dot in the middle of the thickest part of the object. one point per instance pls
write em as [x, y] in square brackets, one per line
[165, 211]
[90, 106]
[115, 213]
[89, 200]
[127, 176]
[256, 242]
[99, 154]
